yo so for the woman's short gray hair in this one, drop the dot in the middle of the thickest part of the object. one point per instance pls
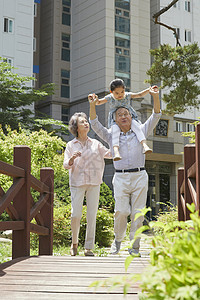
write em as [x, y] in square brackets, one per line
[73, 123]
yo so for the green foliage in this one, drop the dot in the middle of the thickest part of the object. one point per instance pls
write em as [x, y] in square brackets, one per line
[5, 251]
[174, 271]
[178, 71]
[16, 95]
[46, 151]
[51, 125]
[62, 226]
[166, 217]
[106, 199]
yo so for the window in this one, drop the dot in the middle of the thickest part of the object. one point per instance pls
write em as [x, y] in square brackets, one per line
[9, 61]
[122, 63]
[190, 127]
[35, 9]
[122, 24]
[162, 128]
[65, 76]
[8, 25]
[65, 55]
[34, 44]
[188, 36]
[122, 42]
[66, 17]
[187, 6]
[34, 81]
[179, 126]
[65, 114]
[178, 32]
[124, 4]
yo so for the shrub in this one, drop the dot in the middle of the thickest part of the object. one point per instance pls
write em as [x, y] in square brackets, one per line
[106, 199]
[174, 271]
[62, 226]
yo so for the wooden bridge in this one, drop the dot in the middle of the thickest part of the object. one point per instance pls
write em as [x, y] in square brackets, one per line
[66, 277]
[44, 276]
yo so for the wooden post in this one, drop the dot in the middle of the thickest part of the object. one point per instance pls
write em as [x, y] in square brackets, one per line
[189, 159]
[46, 242]
[181, 205]
[21, 202]
[197, 135]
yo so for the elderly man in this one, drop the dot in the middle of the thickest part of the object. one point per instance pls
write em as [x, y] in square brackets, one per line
[130, 181]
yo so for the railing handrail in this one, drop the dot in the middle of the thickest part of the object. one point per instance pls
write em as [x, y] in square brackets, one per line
[189, 178]
[20, 206]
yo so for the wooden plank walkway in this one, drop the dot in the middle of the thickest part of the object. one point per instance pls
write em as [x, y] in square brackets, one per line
[66, 277]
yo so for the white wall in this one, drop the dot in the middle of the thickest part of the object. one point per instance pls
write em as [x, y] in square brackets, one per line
[19, 44]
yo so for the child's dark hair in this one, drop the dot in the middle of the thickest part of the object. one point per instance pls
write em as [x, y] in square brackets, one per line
[116, 83]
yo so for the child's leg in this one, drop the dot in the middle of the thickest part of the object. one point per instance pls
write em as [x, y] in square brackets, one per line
[115, 141]
[135, 126]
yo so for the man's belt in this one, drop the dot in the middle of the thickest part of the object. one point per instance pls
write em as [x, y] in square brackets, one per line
[130, 170]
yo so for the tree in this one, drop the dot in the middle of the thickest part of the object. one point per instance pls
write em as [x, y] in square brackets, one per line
[178, 70]
[16, 97]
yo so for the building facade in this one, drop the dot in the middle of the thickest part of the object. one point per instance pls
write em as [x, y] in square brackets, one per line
[16, 34]
[82, 45]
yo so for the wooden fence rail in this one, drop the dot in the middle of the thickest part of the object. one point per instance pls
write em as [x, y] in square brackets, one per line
[20, 206]
[189, 178]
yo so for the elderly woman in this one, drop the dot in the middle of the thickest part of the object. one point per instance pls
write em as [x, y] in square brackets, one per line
[84, 157]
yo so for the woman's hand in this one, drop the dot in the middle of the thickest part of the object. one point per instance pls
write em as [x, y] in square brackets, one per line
[74, 156]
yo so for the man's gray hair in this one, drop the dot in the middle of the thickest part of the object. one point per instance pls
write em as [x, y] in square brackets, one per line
[73, 123]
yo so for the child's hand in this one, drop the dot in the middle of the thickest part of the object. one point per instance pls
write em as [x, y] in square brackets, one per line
[93, 98]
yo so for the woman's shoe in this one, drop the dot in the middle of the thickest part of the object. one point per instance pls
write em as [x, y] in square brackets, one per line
[73, 250]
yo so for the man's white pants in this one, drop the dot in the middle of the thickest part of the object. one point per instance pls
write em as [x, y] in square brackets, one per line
[130, 192]
[92, 201]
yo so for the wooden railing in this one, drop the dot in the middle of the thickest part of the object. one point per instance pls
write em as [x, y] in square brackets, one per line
[189, 178]
[19, 204]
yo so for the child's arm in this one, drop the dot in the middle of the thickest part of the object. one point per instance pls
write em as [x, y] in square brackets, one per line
[92, 97]
[142, 93]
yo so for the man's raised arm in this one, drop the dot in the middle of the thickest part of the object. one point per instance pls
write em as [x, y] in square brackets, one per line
[98, 128]
[156, 101]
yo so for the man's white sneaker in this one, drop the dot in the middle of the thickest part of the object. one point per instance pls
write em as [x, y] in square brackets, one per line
[115, 247]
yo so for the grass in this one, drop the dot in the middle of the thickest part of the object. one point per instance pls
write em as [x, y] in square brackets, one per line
[6, 251]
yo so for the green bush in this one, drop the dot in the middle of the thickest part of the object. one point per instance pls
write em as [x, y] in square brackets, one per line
[174, 272]
[106, 199]
[62, 226]
[167, 217]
